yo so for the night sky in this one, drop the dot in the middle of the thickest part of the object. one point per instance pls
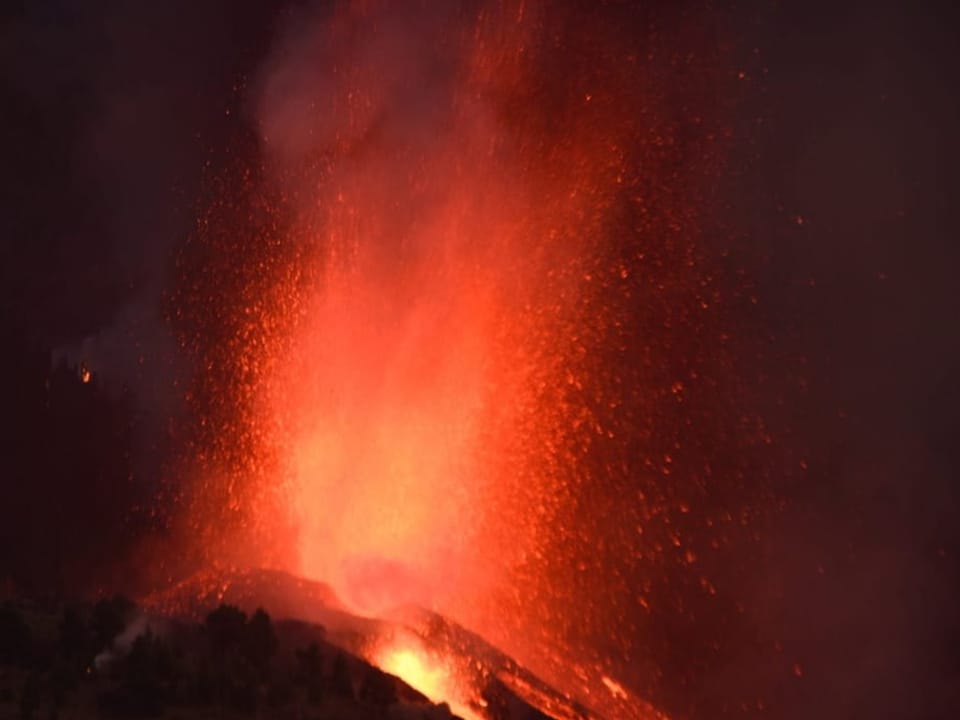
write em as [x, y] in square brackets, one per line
[839, 188]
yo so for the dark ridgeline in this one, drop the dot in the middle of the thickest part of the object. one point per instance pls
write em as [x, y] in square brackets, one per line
[110, 660]
[848, 206]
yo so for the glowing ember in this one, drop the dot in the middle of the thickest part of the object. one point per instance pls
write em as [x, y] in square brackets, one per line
[615, 688]
[433, 677]
[459, 340]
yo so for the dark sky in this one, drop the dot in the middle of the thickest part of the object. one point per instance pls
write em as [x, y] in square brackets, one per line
[108, 111]
[844, 181]
[859, 108]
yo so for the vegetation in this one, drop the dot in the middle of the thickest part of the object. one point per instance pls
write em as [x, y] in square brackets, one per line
[109, 660]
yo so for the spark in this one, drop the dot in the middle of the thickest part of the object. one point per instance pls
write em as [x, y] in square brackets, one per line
[452, 336]
[431, 676]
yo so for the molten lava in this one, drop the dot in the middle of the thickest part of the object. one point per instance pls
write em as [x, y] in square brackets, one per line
[435, 677]
[459, 340]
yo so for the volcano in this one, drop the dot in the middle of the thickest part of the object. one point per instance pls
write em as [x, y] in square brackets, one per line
[434, 655]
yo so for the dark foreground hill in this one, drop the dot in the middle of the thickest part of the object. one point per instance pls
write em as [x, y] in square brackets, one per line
[113, 660]
[264, 644]
[498, 687]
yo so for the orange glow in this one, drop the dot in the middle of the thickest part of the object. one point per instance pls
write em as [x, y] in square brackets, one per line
[615, 688]
[409, 404]
[463, 309]
[429, 675]
[438, 299]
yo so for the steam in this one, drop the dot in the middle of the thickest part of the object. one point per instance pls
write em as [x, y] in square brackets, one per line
[122, 644]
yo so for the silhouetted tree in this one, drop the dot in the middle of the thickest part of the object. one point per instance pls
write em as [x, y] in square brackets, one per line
[15, 637]
[280, 692]
[259, 641]
[203, 686]
[225, 628]
[378, 688]
[110, 617]
[310, 672]
[147, 677]
[341, 683]
[241, 687]
[63, 681]
[242, 652]
[75, 639]
[30, 696]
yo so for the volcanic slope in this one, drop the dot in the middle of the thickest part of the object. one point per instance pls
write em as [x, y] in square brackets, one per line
[437, 657]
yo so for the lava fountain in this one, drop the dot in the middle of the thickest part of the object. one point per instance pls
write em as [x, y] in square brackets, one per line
[449, 276]
[455, 319]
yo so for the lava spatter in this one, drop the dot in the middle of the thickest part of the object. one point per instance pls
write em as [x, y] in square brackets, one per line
[464, 337]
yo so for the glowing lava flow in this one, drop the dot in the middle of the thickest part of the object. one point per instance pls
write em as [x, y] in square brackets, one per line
[461, 344]
[435, 677]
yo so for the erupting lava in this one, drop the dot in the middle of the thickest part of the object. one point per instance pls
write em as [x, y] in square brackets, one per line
[456, 326]
[433, 676]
